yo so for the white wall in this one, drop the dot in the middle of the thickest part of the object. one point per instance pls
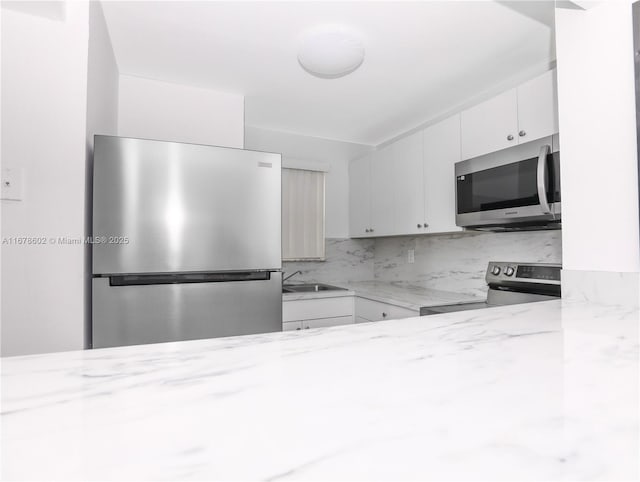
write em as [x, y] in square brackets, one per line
[336, 154]
[152, 109]
[44, 120]
[102, 78]
[598, 138]
[103, 81]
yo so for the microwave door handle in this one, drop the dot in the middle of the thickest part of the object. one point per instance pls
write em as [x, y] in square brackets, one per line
[542, 176]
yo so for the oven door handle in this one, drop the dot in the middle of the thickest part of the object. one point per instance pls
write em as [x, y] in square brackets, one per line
[542, 175]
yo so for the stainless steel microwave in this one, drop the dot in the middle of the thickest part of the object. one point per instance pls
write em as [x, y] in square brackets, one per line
[512, 189]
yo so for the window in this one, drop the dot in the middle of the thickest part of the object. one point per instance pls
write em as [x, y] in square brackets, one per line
[302, 215]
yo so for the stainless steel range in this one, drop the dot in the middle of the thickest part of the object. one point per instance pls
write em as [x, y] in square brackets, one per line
[509, 284]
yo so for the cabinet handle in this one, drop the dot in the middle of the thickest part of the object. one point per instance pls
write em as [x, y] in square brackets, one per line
[509, 137]
[384, 315]
[366, 230]
[371, 230]
[298, 328]
[306, 327]
[522, 133]
[419, 225]
[426, 225]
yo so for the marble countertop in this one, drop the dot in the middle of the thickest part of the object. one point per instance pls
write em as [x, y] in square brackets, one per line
[543, 391]
[407, 295]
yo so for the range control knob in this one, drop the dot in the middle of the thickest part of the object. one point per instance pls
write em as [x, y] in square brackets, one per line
[509, 271]
[495, 271]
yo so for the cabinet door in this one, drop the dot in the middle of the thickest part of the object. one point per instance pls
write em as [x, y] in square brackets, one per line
[360, 196]
[408, 185]
[292, 326]
[369, 310]
[441, 152]
[298, 310]
[490, 126]
[538, 108]
[398, 312]
[382, 191]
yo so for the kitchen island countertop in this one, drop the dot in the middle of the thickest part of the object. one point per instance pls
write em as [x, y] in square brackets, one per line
[543, 391]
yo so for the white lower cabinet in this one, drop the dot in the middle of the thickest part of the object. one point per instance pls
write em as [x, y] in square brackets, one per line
[317, 313]
[319, 323]
[323, 312]
[369, 310]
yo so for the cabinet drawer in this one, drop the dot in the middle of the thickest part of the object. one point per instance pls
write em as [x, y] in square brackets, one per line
[376, 311]
[320, 323]
[316, 309]
[323, 322]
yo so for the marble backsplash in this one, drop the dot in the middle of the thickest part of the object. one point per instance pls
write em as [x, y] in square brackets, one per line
[346, 260]
[450, 262]
[458, 262]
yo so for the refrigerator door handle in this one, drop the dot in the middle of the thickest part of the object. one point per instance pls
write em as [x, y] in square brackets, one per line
[181, 278]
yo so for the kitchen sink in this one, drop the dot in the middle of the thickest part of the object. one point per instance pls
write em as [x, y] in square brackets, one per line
[309, 288]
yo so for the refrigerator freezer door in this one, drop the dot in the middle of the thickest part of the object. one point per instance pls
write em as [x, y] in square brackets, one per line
[162, 207]
[138, 314]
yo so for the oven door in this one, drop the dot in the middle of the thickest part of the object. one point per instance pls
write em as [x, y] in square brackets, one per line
[517, 185]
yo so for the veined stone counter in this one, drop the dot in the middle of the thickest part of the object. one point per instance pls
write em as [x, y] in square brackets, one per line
[542, 391]
[406, 295]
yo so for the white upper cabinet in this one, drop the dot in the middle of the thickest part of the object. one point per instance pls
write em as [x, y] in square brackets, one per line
[382, 192]
[441, 152]
[537, 107]
[386, 191]
[360, 197]
[408, 185]
[490, 126]
[516, 116]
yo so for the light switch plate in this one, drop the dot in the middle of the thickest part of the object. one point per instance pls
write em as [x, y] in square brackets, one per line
[11, 184]
[411, 256]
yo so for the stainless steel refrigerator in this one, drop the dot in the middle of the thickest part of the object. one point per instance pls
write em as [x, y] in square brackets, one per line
[186, 242]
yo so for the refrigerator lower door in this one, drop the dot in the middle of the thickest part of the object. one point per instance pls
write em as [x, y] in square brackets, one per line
[130, 313]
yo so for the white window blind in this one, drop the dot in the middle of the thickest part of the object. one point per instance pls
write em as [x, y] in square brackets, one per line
[302, 214]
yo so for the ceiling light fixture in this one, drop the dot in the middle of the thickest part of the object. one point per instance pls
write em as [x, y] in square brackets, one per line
[330, 51]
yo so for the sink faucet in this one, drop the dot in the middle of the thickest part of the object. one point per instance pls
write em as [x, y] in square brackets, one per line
[290, 276]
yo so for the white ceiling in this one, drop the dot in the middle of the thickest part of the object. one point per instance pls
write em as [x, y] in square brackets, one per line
[422, 58]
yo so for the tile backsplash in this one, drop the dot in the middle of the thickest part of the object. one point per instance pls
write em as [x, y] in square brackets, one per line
[458, 262]
[346, 260]
[451, 262]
